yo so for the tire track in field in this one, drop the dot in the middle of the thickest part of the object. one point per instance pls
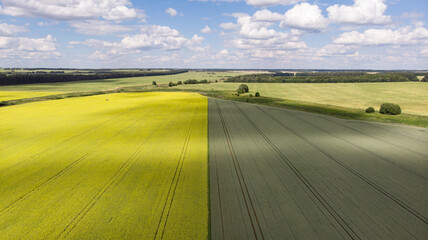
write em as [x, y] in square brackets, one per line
[255, 224]
[175, 179]
[380, 139]
[330, 209]
[416, 174]
[73, 137]
[217, 184]
[122, 171]
[357, 174]
[63, 171]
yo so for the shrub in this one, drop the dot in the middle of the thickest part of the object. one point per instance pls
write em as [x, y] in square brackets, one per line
[257, 94]
[390, 108]
[179, 83]
[203, 81]
[425, 79]
[251, 95]
[154, 83]
[243, 88]
[171, 84]
[370, 110]
[190, 81]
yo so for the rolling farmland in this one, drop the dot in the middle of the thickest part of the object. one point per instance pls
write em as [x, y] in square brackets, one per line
[12, 95]
[87, 168]
[282, 174]
[105, 84]
[411, 96]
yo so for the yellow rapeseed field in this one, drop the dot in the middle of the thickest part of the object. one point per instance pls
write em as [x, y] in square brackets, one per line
[13, 95]
[118, 166]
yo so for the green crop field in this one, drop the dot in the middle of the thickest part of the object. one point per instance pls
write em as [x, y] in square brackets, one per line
[106, 84]
[283, 174]
[12, 95]
[411, 96]
[118, 166]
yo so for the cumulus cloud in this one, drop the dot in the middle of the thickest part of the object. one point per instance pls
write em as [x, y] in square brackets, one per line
[304, 16]
[229, 26]
[70, 10]
[206, 29]
[362, 12]
[403, 36]
[267, 3]
[172, 12]
[18, 49]
[28, 44]
[266, 16]
[10, 29]
[98, 27]
[150, 37]
[253, 29]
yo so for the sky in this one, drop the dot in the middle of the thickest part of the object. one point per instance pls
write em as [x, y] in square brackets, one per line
[233, 34]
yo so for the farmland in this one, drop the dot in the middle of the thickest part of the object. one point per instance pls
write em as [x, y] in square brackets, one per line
[105, 84]
[411, 96]
[12, 95]
[283, 174]
[88, 168]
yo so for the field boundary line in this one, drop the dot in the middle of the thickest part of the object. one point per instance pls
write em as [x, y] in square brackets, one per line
[357, 174]
[336, 216]
[64, 170]
[123, 170]
[243, 185]
[175, 180]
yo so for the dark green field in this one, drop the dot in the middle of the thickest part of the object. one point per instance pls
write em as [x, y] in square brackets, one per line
[282, 174]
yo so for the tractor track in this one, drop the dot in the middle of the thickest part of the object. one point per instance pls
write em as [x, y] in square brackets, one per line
[71, 138]
[63, 171]
[357, 174]
[175, 180]
[379, 139]
[257, 230]
[330, 209]
[416, 174]
[123, 170]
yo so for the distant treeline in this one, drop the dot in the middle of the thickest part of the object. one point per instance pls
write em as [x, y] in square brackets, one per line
[331, 77]
[29, 78]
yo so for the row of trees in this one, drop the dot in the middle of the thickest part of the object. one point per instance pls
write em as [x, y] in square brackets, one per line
[326, 78]
[16, 79]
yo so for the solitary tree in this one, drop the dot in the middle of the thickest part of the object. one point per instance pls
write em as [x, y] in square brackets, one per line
[243, 88]
[154, 83]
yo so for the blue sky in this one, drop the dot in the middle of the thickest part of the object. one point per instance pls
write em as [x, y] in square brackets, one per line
[345, 34]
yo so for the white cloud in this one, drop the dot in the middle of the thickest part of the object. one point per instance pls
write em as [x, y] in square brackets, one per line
[98, 27]
[150, 37]
[206, 29]
[28, 44]
[252, 29]
[305, 17]
[70, 9]
[172, 12]
[362, 12]
[229, 26]
[267, 3]
[10, 29]
[28, 51]
[266, 16]
[403, 36]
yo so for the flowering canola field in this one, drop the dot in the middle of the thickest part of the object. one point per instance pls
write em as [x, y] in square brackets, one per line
[122, 166]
